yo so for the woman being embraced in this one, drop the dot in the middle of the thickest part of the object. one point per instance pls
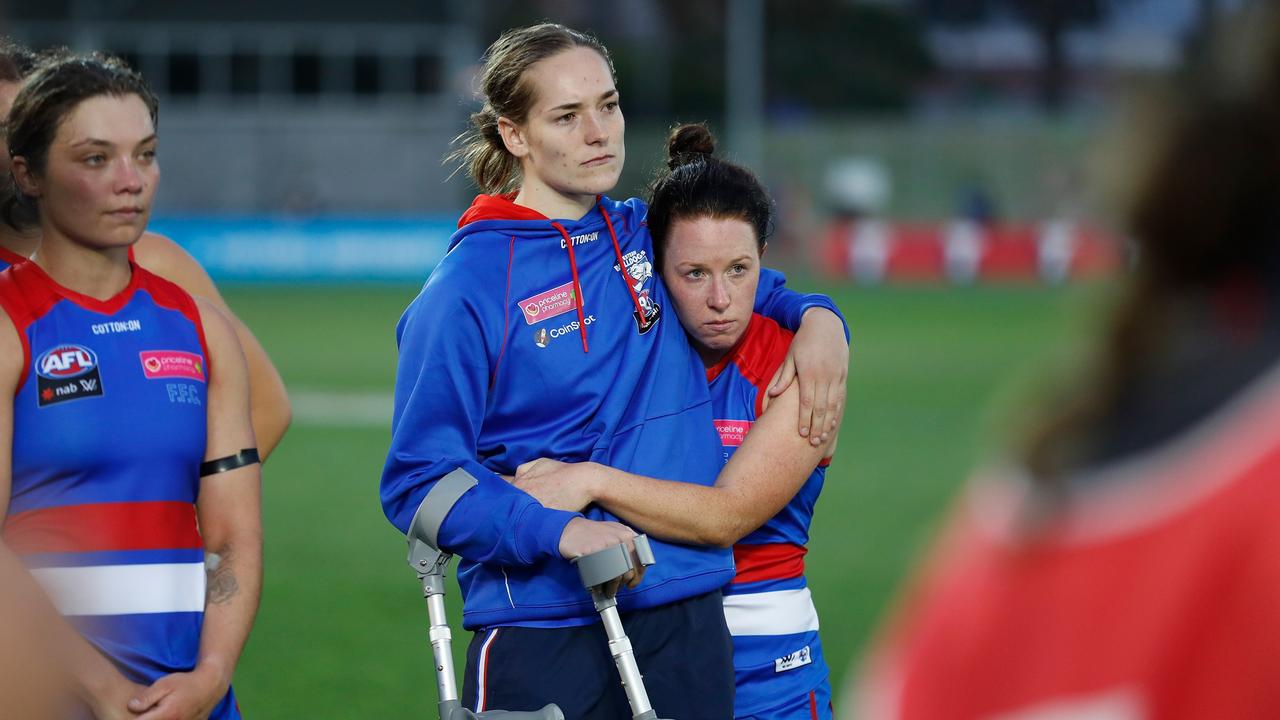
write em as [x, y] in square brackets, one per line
[129, 479]
[710, 220]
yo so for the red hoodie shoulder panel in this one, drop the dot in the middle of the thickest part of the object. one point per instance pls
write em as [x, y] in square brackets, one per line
[498, 207]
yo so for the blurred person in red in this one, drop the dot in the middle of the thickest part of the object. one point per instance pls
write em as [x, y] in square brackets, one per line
[1123, 565]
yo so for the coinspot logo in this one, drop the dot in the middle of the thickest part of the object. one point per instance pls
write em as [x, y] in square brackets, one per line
[65, 362]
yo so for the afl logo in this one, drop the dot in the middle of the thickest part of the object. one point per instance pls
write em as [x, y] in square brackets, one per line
[65, 362]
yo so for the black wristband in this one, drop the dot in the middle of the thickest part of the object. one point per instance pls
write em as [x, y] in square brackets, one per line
[248, 456]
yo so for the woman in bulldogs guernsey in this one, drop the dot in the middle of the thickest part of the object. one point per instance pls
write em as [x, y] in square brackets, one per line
[131, 480]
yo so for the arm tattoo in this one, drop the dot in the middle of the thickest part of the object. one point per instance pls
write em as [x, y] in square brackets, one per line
[221, 585]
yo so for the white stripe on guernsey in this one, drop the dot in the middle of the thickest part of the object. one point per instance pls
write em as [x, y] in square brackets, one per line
[781, 612]
[125, 589]
[482, 671]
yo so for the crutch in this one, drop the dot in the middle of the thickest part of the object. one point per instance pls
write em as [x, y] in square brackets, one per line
[596, 571]
[430, 563]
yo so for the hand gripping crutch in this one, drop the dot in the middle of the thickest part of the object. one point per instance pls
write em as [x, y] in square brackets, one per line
[596, 570]
[430, 563]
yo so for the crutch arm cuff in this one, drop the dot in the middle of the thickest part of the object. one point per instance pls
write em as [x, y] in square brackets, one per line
[431, 512]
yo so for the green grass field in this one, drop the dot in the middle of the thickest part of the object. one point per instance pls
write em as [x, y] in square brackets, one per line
[342, 630]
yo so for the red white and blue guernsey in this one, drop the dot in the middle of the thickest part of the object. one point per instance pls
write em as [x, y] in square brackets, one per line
[109, 434]
[777, 657]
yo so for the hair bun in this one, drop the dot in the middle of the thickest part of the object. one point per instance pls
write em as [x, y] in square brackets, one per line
[688, 143]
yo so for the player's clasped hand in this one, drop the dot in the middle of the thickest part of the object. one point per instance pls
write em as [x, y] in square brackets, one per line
[583, 537]
[567, 486]
[180, 696]
[555, 484]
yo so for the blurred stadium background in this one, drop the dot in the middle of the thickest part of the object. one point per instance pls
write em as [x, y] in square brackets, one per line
[936, 165]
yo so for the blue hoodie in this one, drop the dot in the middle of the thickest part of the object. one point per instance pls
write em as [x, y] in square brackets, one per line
[540, 338]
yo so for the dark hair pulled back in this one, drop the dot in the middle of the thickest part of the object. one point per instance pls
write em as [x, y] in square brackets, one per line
[697, 184]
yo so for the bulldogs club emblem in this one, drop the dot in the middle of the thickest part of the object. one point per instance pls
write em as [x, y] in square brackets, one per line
[652, 311]
[640, 272]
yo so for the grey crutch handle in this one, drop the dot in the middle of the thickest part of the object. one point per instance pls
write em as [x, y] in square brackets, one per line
[612, 562]
[597, 570]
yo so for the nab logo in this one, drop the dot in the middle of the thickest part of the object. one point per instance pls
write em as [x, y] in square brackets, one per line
[67, 372]
[66, 361]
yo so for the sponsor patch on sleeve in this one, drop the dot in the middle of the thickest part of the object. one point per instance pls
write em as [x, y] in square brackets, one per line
[799, 658]
[732, 432]
[158, 364]
[549, 303]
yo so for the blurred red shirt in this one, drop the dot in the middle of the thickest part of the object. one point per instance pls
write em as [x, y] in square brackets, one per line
[1152, 591]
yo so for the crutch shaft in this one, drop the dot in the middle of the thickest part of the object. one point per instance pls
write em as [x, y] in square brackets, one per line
[429, 562]
[625, 658]
[441, 644]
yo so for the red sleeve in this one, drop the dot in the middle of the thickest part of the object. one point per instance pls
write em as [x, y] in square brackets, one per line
[24, 298]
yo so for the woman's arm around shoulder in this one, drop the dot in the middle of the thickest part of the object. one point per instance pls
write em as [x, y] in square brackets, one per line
[818, 357]
[818, 361]
[759, 480]
[269, 402]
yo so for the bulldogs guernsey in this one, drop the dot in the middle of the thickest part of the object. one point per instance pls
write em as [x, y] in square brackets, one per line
[777, 657]
[109, 434]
